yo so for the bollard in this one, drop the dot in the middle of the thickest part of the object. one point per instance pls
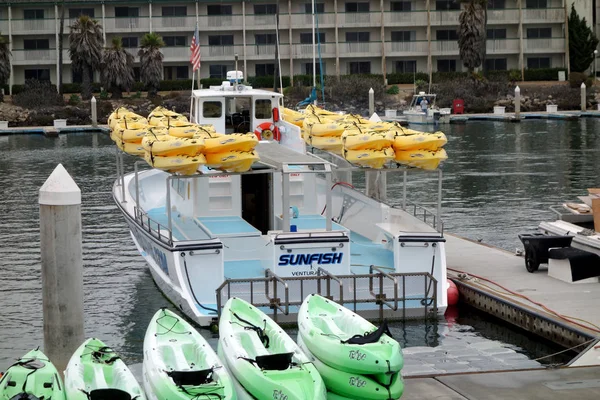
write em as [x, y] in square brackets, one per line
[371, 102]
[583, 102]
[62, 266]
[94, 112]
[518, 102]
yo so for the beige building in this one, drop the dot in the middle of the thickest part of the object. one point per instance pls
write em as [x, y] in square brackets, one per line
[378, 37]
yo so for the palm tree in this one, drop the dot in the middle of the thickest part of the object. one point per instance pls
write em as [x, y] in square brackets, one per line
[151, 60]
[85, 50]
[117, 69]
[472, 33]
[4, 63]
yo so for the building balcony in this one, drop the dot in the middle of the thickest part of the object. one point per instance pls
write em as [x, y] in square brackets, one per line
[405, 18]
[444, 47]
[446, 17]
[301, 51]
[176, 54]
[170, 24]
[359, 19]
[31, 26]
[127, 24]
[411, 48]
[33, 57]
[502, 46]
[260, 22]
[544, 15]
[220, 22]
[544, 45]
[299, 21]
[360, 49]
[505, 16]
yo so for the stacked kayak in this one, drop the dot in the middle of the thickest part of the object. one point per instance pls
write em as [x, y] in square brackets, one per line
[180, 364]
[264, 360]
[95, 371]
[32, 377]
[356, 359]
[127, 130]
[232, 153]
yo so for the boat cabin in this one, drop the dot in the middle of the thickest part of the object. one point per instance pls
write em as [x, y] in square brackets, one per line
[418, 98]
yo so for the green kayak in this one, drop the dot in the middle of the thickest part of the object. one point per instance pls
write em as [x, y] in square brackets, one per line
[263, 358]
[354, 386]
[179, 364]
[346, 341]
[32, 377]
[95, 371]
[335, 396]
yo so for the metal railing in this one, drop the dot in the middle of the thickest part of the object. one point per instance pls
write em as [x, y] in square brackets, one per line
[386, 291]
[157, 230]
[426, 215]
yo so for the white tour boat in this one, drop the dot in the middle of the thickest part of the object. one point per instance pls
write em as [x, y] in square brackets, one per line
[290, 226]
[414, 114]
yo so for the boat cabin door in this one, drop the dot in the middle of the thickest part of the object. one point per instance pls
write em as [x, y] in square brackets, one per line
[211, 110]
[263, 110]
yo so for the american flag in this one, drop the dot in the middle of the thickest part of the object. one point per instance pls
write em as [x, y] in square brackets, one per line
[195, 48]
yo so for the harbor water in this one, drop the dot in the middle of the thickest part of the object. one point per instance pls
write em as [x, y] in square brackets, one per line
[499, 181]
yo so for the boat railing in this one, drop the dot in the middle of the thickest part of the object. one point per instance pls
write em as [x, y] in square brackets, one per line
[392, 295]
[425, 214]
[154, 228]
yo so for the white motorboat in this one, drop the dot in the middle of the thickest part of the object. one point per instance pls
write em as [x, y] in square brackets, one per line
[415, 114]
[290, 226]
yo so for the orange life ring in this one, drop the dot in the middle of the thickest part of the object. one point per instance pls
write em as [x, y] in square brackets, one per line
[267, 131]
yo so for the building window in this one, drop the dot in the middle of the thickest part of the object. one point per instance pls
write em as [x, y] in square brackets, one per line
[446, 34]
[264, 69]
[218, 9]
[539, 33]
[447, 5]
[405, 66]
[36, 44]
[536, 4]
[212, 109]
[319, 8]
[174, 41]
[307, 68]
[175, 73]
[265, 38]
[498, 33]
[446, 65]
[39, 74]
[359, 67]
[265, 9]
[496, 4]
[127, 12]
[398, 6]
[130, 42]
[137, 74]
[538, 62]
[219, 70]
[495, 64]
[404, 36]
[174, 11]
[354, 37]
[220, 40]
[78, 12]
[357, 7]
[262, 109]
[306, 38]
[33, 14]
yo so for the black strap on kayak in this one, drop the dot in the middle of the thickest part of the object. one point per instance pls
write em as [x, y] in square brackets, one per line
[100, 354]
[370, 337]
[259, 331]
[169, 329]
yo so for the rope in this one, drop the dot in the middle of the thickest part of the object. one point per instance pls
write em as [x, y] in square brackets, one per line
[169, 329]
[564, 351]
[259, 331]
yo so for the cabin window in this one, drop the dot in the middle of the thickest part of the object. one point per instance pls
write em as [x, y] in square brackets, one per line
[212, 109]
[262, 109]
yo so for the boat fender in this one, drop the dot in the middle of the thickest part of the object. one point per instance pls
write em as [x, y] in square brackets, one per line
[452, 293]
[267, 131]
[275, 114]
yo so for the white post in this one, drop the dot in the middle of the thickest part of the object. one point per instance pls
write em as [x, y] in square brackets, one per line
[314, 49]
[518, 102]
[583, 102]
[94, 112]
[371, 102]
[62, 266]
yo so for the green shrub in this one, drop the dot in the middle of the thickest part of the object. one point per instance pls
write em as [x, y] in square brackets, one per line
[543, 74]
[447, 76]
[207, 82]
[406, 77]
[514, 75]
[577, 78]
[36, 94]
[137, 95]
[103, 95]
[267, 81]
[393, 90]
[74, 100]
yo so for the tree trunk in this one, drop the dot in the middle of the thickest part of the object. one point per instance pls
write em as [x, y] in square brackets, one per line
[61, 29]
[116, 92]
[484, 50]
[86, 85]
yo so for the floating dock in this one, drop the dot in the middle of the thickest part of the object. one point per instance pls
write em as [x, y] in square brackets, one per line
[52, 131]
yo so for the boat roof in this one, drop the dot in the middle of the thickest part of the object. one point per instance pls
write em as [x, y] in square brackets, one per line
[279, 156]
[228, 90]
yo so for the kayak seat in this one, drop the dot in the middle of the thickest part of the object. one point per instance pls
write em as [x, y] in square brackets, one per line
[250, 341]
[328, 326]
[191, 378]
[109, 394]
[94, 374]
[174, 357]
[275, 362]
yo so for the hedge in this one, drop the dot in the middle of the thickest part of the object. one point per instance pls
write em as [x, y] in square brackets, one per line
[544, 74]
[406, 78]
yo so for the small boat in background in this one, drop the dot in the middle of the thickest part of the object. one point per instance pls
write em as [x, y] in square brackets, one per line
[415, 114]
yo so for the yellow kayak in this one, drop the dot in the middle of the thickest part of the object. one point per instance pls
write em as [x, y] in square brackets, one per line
[189, 130]
[135, 149]
[420, 141]
[355, 140]
[232, 142]
[316, 126]
[424, 159]
[120, 113]
[332, 144]
[293, 117]
[167, 145]
[232, 161]
[160, 116]
[369, 158]
[130, 123]
[185, 165]
[131, 135]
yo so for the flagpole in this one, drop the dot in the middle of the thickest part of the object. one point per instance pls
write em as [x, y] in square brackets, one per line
[192, 97]
[314, 71]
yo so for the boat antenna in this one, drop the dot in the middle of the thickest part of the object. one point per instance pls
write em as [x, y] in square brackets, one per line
[277, 52]
[320, 59]
[314, 68]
